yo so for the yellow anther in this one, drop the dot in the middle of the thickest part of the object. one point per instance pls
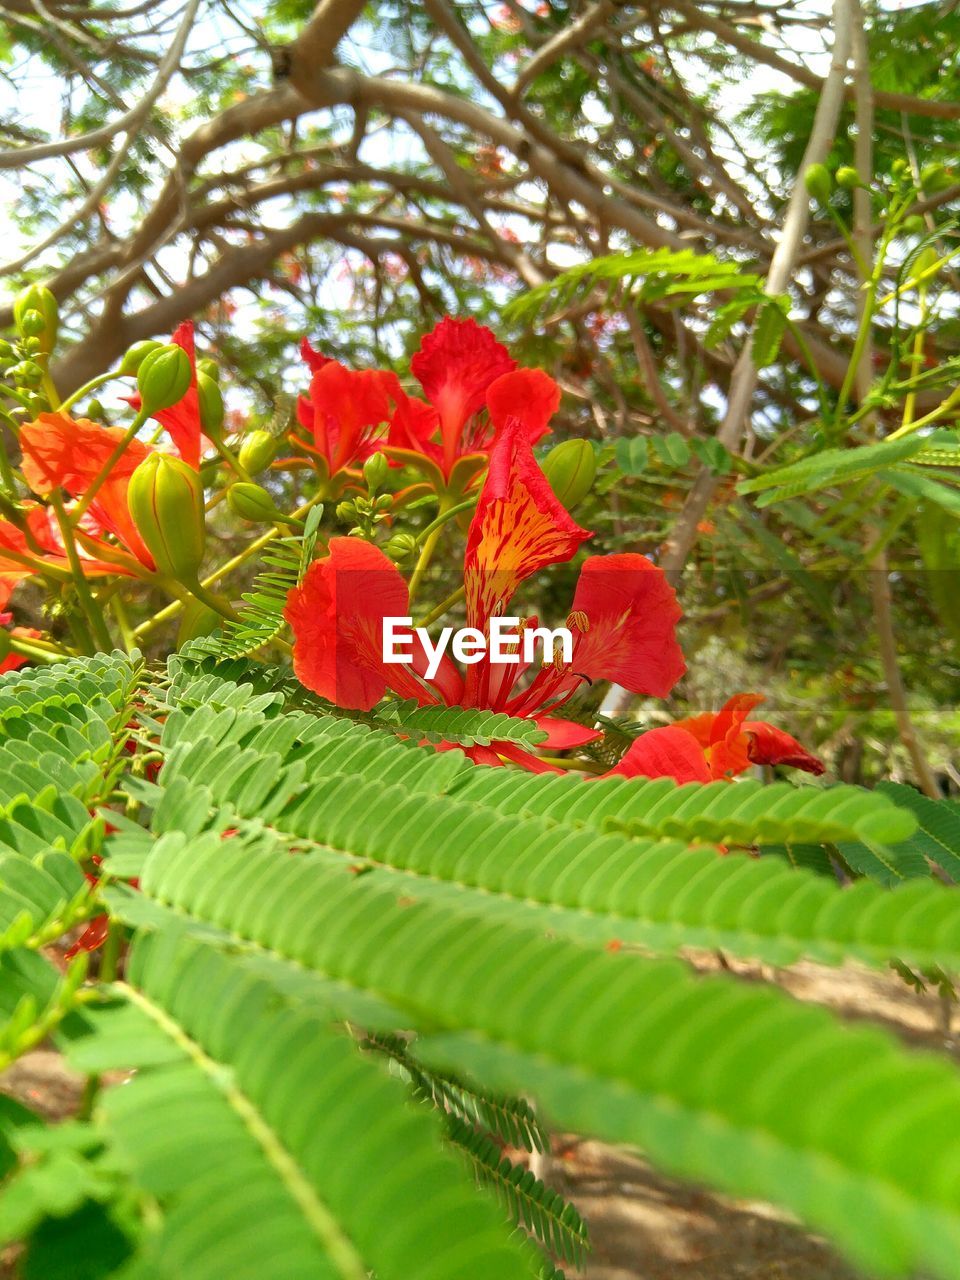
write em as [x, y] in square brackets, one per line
[578, 621]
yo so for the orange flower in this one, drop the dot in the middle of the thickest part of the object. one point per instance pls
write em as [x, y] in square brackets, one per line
[59, 452]
[715, 745]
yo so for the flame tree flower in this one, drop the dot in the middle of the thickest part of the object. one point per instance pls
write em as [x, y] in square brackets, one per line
[449, 436]
[62, 453]
[346, 416]
[712, 746]
[624, 613]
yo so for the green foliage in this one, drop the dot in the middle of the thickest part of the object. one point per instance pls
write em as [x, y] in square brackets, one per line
[651, 275]
[334, 925]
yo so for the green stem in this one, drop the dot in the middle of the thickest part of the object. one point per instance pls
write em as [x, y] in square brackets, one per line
[86, 389]
[446, 514]
[91, 609]
[213, 602]
[110, 956]
[100, 478]
[123, 622]
[452, 599]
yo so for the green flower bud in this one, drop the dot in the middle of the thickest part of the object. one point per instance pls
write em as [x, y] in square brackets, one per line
[197, 619]
[164, 377]
[211, 405]
[6, 350]
[27, 374]
[914, 225]
[37, 298]
[570, 468]
[400, 547]
[252, 502]
[135, 357]
[32, 346]
[898, 168]
[209, 367]
[95, 409]
[257, 452]
[32, 324]
[934, 178]
[346, 510]
[848, 178]
[818, 182]
[384, 502]
[375, 472]
[165, 498]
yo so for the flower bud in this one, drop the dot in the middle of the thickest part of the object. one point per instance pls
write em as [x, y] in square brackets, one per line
[848, 179]
[6, 350]
[27, 374]
[209, 367]
[252, 502]
[257, 452]
[211, 405]
[818, 182]
[570, 468]
[400, 547]
[136, 355]
[95, 410]
[32, 324]
[934, 178]
[375, 471]
[32, 346]
[165, 498]
[37, 299]
[163, 378]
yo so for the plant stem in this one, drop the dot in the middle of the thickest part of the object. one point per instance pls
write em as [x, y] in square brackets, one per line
[100, 478]
[442, 607]
[91, 610]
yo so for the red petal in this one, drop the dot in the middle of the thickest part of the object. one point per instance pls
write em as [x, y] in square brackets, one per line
[528, 397]
[182, 420]
[769, 745]
[562, 735]
[518, 528]
[337, 619]
[732, 714]
[632, 615]
[348, 408]
[455, 365]
[664, 753]
[60, 452]
[95, 935]
[311, 357]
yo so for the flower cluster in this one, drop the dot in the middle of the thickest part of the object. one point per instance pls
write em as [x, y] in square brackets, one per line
[623, 613]
[104, 505]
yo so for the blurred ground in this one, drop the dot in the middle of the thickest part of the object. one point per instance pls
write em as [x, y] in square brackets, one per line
[644, 1226]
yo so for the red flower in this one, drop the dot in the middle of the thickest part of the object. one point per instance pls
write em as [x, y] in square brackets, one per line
[43, 543]
[181, 420]
[346, 413]
[624, 612]
[713, 746]
[59, 452]
[457, 363]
